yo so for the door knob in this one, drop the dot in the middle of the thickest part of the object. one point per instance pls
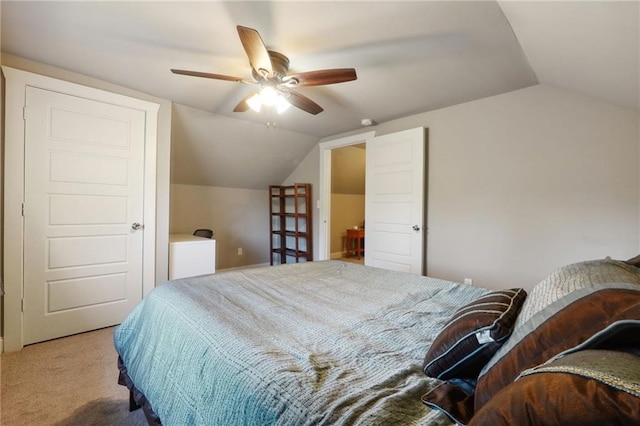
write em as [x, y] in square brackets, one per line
[136, 226]
[416, 227]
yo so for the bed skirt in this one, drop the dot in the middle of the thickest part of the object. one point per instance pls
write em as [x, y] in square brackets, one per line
[137, 399]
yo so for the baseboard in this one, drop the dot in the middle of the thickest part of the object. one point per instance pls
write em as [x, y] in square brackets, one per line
[336, 255]
[257, 265]
[1, 345]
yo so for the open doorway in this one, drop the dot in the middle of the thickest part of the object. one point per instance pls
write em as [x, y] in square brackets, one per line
[348, 203]
[325, 208]
[395, 199]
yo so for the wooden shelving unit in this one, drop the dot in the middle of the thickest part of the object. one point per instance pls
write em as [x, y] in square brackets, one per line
[291, 231]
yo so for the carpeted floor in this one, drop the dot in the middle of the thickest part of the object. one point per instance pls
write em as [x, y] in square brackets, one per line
[68, 381]
[353, 260]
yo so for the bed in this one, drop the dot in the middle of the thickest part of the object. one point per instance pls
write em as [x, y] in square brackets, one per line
[324, 343]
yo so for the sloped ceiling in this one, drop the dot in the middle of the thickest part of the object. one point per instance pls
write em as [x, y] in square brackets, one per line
[592, 48]
[410, 57]
[230, 152]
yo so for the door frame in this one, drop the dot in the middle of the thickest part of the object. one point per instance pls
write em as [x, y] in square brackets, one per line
[324, 190]
[13, 180]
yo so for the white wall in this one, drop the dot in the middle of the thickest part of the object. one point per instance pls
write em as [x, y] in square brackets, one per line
[529, 181]
[239, 218]
[522, 183]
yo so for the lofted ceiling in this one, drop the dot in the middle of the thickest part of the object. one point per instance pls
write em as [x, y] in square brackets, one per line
[410, 57]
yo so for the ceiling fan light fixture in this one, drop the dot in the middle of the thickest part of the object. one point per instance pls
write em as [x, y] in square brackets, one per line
[282, 104]
[255, 103]
[270, 97]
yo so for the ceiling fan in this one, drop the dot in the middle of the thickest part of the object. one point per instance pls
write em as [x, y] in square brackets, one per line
[269, 69]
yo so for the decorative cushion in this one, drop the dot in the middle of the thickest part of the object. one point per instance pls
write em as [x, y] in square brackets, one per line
[474, 333]
[569, 278]
[634, 261]
[451, 400]
[586, 316]
[590, 387]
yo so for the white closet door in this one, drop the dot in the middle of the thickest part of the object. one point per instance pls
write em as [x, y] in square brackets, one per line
[394, 211]
[84, 181]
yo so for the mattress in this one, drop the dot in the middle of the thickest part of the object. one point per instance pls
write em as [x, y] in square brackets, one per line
[318, 343]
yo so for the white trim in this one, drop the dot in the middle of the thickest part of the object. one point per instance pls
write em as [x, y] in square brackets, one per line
[13, 197]
[236, 268]
[324, 192]
[337, 255]
[16, 84]
[150, 208]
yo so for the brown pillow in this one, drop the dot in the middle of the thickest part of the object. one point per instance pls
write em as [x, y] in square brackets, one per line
[591, 387]
[474, 333]
[634, 261]
[569, 322]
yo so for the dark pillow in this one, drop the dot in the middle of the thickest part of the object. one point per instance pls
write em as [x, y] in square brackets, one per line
[586, 317]
[590, 387]
[474, 333]
[634, 261]
[453, 401]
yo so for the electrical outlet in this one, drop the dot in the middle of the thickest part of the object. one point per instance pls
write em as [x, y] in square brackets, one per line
[468, 281]
[239, 251]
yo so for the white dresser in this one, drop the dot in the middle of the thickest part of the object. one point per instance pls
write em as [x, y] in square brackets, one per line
[190, 256]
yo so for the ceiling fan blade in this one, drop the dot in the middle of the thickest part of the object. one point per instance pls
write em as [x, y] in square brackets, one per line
[243, 105]
[213, 76]
[256, 51]
[321, 77]
[302, 102]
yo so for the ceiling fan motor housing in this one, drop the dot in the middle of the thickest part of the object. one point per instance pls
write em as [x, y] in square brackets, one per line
[279, 64]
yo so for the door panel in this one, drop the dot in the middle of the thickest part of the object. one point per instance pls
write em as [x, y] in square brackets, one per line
[87, 210]
[84, 177]
[394, 213]
[89, 129]
[86, 251]
[81, 168]
[70, 294]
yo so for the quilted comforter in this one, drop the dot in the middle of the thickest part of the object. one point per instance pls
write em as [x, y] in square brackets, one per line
[305, 344]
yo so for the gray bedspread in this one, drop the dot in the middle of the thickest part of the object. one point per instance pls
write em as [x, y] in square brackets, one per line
[319, 343]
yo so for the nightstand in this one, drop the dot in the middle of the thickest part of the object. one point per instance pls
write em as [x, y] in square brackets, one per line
[355, 242]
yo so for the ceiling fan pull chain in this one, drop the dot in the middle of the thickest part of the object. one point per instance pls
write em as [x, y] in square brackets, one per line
[271, 117]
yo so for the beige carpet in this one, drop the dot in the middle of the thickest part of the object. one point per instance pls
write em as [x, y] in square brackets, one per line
[68, 381]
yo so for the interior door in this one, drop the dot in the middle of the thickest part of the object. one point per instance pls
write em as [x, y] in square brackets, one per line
[84, 177]
[395, 194]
